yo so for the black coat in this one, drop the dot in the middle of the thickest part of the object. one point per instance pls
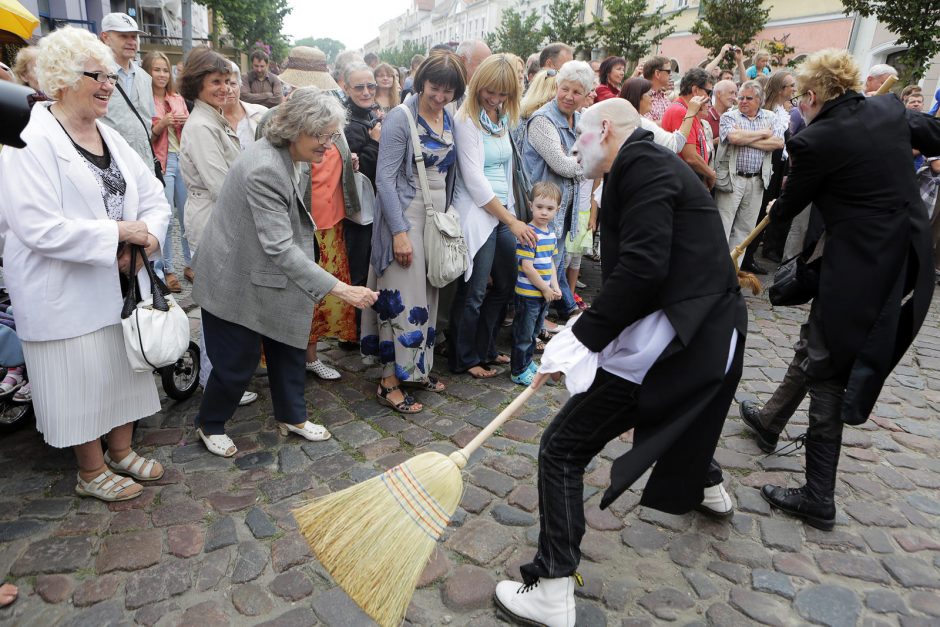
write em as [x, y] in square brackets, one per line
[853, 161]
[663, 248]
[359, 122]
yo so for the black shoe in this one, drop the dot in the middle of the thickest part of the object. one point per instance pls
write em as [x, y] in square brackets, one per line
[349, 346]
[796, 502]
[766, 440]
[752, 266]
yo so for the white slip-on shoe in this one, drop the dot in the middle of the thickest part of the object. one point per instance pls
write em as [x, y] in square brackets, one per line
[548, 602]
[248, 398]
[323, 371]
[308, 430]
[717, 502]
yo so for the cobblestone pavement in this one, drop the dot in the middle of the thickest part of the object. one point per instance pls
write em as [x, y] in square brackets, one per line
[213, 543]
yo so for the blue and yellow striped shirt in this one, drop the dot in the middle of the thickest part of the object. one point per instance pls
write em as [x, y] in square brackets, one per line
[541, 257]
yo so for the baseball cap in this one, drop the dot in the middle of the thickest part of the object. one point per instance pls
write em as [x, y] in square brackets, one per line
[119, 23]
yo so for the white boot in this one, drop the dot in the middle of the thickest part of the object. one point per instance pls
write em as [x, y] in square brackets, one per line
[548, 602]
[717, 502]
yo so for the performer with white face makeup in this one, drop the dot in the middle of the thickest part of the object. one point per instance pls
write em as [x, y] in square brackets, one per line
[660, 351]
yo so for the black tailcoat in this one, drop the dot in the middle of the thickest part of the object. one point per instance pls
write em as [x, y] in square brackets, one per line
[663, 248]
[853, 161]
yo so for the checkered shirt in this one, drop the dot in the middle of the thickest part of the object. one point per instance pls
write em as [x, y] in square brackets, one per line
[660, 104]
[750, 160]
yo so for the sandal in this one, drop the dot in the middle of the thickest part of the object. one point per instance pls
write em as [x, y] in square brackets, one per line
[433, 384]
[109, 487]
[323, 371]
[539, 346]
[220, 445]
[23, 395]
[140, 468]
[308, 430]
[485, 374]
[406, 406]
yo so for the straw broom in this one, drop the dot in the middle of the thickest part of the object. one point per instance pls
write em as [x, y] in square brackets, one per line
[748, 280]
[376, 538]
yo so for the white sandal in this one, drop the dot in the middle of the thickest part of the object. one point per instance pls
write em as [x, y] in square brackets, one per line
[220, 445]
[108, 487]
[323, 371]
[309, 430]
[138, 467]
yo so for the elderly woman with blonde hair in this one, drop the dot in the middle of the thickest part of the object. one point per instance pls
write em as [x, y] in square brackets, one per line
[76, 198]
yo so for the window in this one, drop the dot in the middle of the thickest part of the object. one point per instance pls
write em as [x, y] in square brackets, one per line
[599, 9]
[681, 4]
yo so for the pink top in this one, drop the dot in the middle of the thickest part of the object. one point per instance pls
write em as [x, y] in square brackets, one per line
[171, 103]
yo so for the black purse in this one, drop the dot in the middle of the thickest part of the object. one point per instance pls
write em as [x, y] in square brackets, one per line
[795, 282]
[157, 168]
[520, 186]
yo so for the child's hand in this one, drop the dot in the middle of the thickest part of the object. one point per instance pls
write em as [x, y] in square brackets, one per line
[556, 293]
[548, 294]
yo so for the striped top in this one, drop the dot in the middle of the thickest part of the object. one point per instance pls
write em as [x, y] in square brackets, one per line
[541, 257]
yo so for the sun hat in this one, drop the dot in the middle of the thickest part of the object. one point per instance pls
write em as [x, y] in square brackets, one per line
[306, 67]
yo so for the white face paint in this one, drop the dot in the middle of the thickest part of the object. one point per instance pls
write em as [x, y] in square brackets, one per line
[589, 148]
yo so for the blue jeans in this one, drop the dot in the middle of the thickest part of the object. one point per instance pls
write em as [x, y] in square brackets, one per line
[530, 314]
[566, 303]
[476, 314]
[175, 191]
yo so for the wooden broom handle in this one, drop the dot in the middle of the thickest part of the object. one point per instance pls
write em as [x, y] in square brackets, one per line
[740, 248]
[887, 85]
[497, 422]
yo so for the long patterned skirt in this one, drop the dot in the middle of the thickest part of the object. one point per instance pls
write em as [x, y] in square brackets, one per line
[332, 317]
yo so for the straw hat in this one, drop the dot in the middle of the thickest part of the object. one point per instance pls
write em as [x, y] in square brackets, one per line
[306, 67]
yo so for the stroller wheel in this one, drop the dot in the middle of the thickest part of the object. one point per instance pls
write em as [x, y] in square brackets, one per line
[181, 379]
[14, 415]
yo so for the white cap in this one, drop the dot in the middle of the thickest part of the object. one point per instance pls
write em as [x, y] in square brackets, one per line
[119, 23]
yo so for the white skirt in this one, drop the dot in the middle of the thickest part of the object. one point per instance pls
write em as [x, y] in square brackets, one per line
[84, 386]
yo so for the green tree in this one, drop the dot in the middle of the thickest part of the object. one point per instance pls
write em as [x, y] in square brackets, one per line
[517, 33]
[915, 22]
[251, 21]
[629, 31]
[401, 56]
[330, 47]
[734, 22]
[565, 23]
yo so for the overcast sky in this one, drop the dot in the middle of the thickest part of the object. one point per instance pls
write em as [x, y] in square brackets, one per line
[353, 22]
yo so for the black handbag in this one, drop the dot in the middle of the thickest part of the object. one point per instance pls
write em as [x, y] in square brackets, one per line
[795, 283]
[157, 168]
[520, 186]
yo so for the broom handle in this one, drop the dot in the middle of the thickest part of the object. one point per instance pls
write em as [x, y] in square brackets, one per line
[887, 85]
[491, 428]
[740, 248]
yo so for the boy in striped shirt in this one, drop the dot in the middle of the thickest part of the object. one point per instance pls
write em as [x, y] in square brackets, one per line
[537, 283]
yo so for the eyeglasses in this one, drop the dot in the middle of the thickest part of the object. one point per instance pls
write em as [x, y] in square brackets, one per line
[102, 77]
[748, 98]
[708, 92]
[328, 138]
[365, 86]
[795, 100]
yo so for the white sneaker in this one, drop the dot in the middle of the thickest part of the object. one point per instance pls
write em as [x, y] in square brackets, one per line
[548, 602]
[323, 371]
[248, 398]
[717, 502]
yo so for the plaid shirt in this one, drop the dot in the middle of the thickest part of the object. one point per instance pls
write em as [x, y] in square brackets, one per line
[750, 160]
[660, 104]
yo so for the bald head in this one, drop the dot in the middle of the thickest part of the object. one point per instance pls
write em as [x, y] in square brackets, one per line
[601, 132]
[473, 52]
[724, 94]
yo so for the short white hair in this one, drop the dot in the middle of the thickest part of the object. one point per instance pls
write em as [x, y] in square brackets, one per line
[63, 54]
[754, 86]
[882, 69]
[237, 71]
[309, 110]
[352, 68]
[578, 72]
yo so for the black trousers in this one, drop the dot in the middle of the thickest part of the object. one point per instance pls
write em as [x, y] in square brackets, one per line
[234, 351]
[582, 428]
[358, 251]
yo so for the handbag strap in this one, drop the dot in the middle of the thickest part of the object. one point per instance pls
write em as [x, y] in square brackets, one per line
[134, 109]
[158, 289]
[419, 160]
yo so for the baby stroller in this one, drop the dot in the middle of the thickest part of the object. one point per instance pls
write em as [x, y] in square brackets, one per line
[16, 407]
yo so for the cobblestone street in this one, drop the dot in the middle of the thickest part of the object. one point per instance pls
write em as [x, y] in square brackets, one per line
[213, 542]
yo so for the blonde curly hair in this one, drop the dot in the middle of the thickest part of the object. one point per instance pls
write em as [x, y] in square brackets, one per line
[830, 73]
[62, 58]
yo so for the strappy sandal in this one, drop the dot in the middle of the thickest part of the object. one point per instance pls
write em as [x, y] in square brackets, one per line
[140, 468]
[308, 430]
[539, 347]
[433, 384]
[406, 406]
[108, 487]
[220, 445]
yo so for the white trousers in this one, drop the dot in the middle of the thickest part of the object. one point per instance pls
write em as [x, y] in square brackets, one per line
[739, 208]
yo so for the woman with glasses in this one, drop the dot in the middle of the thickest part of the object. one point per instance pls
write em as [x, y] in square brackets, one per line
[266, 235]
[75, 198]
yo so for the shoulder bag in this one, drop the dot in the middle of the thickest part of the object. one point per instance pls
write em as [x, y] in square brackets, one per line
[445, 250]
[796, 281]
[520, 185]
[156, 329]
[366, 213]
[157, 168]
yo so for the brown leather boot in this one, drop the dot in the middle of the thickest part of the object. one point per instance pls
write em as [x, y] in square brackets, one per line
[173, 283]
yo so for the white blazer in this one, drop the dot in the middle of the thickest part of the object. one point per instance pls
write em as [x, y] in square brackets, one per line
[60, 260]
[473, 189]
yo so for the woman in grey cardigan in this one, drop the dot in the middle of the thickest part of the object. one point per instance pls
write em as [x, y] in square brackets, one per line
[400, 331]
[257, 278]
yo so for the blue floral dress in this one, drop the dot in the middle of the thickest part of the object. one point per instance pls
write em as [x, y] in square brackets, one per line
[400, 331]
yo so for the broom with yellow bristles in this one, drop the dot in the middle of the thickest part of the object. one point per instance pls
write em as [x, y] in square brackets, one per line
[376, 538]
[749, 280]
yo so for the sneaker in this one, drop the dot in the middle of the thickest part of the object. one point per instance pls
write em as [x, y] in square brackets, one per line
[580, 285]
[248, 398]
[12, 382]
[580, 302]
[323, 371]
[523, 378]
[548, 602]
[717, 502]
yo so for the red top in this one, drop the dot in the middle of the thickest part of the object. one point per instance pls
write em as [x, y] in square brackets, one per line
[672, 120]
[605, 92]
[172, 103]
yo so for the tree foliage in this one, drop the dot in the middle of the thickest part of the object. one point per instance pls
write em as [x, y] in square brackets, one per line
[734, 22]
[628, 31]
[565, 23]
[916, 24]
[330, 47]
[401, 56]
[250, 21]
[517, 33]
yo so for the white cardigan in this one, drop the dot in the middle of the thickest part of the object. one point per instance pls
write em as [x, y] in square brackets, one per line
[60, 260]
[473, 189]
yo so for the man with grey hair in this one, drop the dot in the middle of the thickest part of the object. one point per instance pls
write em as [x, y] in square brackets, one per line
[656, 352]
[473, 52]
[724, 96]
[748, 136]
[555, 55]
[877, 75]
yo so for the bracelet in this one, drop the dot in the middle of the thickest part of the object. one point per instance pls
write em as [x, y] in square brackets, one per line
[688, 117]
